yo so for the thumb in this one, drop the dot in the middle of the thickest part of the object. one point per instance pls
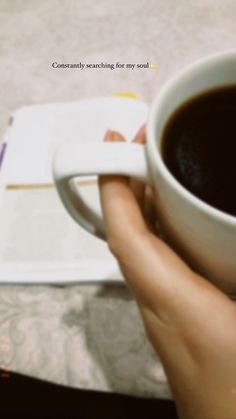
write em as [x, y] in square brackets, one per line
[120, 208]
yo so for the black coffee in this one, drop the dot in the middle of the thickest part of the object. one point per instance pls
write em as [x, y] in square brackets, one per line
[199, 147]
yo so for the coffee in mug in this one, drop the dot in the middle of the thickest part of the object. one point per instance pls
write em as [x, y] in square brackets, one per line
[199, 147]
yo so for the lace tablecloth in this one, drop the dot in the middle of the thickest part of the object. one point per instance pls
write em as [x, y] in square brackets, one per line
[92, 336]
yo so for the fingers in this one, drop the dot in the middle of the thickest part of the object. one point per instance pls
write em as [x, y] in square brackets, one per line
[142, 193]
[120, 208]
[147, 263]
[113, 136]
[136, 186]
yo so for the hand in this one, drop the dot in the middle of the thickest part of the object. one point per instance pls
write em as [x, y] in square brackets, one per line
[191, 324]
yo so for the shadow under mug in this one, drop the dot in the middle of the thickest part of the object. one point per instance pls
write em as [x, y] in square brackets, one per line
[203, 235]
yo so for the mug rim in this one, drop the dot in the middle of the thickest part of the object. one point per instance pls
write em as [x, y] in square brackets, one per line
[151, 143]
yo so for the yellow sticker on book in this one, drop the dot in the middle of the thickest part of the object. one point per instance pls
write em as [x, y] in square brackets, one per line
[129, 95]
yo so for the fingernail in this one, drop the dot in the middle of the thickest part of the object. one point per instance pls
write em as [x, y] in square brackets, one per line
[117, 137]
[107, 136]
[140, 132]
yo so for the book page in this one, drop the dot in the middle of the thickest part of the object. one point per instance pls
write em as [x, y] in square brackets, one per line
[40, 240]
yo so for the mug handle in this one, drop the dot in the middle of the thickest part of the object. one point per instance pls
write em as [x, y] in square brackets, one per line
[73, 159]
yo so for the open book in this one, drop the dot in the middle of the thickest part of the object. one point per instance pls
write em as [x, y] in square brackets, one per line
[39, 241]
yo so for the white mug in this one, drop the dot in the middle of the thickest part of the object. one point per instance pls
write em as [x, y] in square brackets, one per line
[203, 235]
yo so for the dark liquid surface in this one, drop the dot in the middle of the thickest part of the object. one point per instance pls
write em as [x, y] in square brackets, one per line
[199, 147]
